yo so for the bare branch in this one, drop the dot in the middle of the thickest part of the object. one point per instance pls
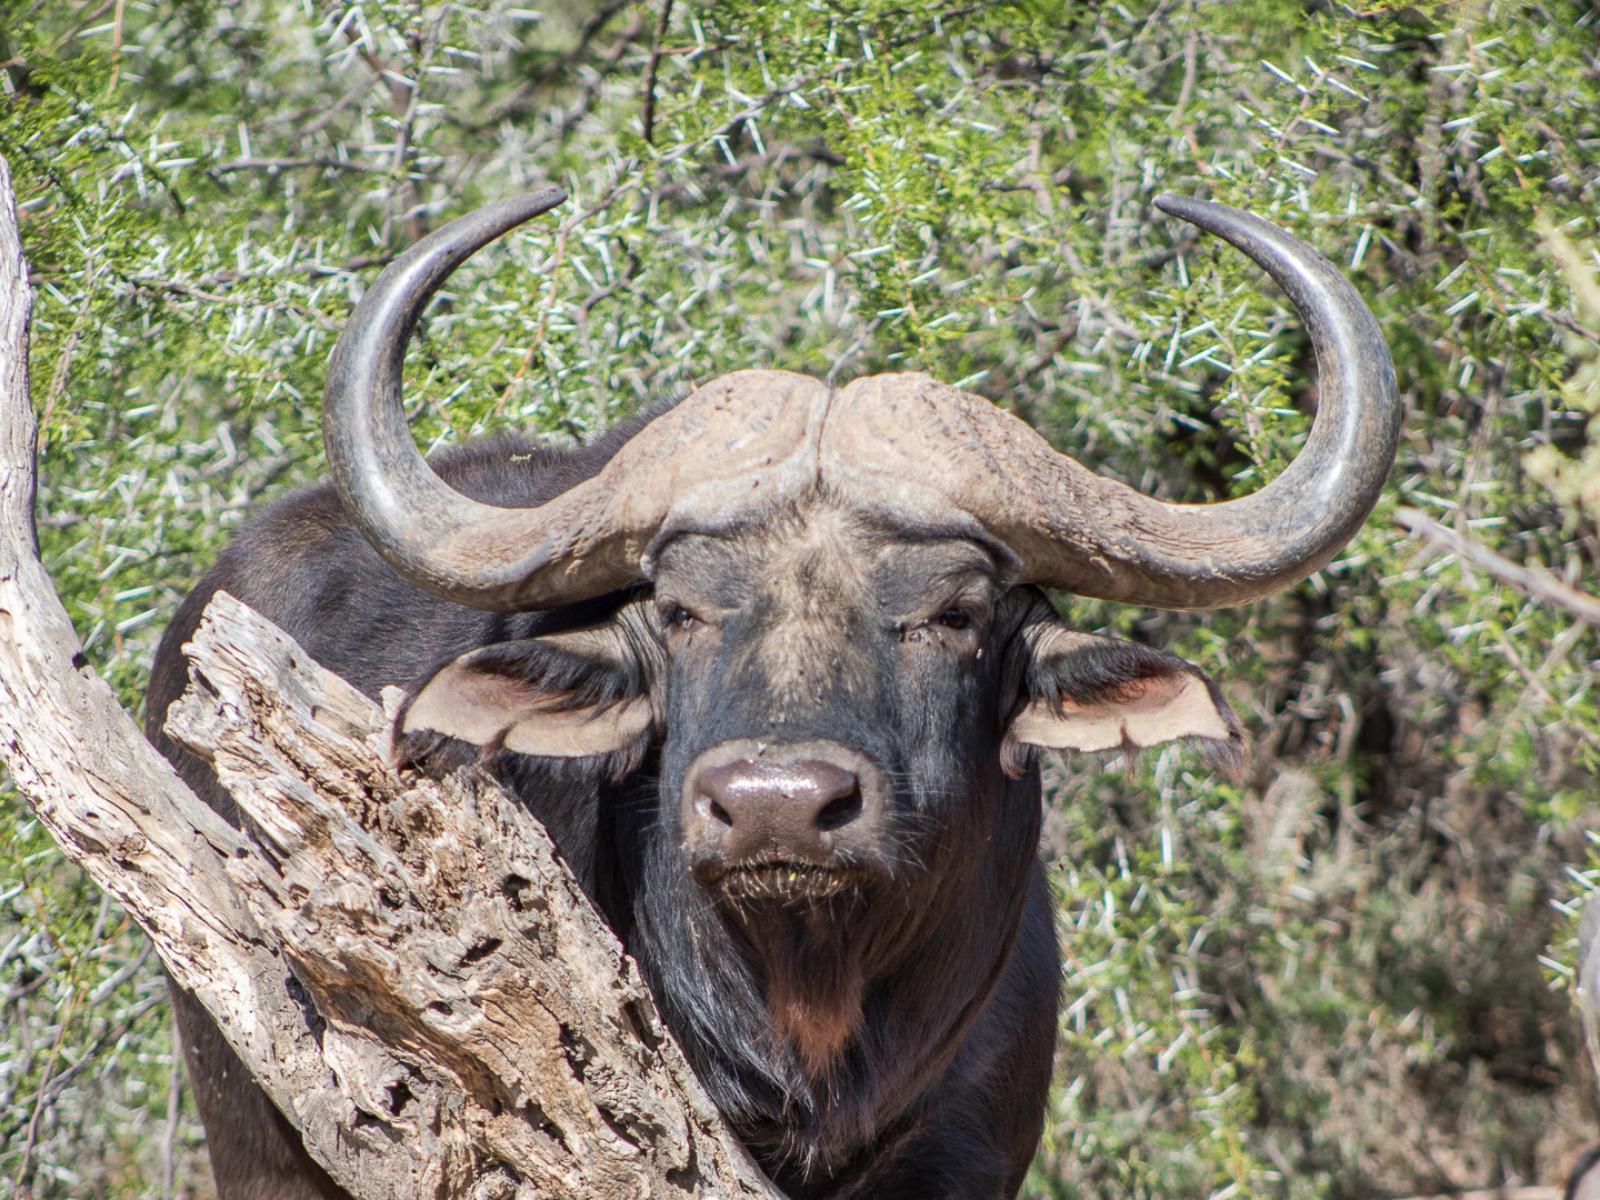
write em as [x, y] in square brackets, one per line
[110, 801]
[1535, 581]
[650, 72]
[522, 101]
[324, 162]
[189, 291]
[472, 1029]
[427, 919]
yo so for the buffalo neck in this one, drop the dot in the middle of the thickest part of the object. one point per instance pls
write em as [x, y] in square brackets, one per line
[929, 960]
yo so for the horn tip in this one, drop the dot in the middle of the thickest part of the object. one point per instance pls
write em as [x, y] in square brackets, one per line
[544, 199]
[1181, 206]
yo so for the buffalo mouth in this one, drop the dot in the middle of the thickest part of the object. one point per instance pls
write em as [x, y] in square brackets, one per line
[783, 882]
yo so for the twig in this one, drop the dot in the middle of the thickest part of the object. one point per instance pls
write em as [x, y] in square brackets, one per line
[625, 184]
[176, 287]
[587, 34]
[621, 280]
[50, 1091]
[307, 123]
[116, 42]
[520, 102]
[169, 1132]
[39, 1104]
[1536, 581]
[204, 284]
[69, 350]
[405, 95]
[1191, 45]
[321, 162]
[650, 73]
[813, 79]
[595, 80]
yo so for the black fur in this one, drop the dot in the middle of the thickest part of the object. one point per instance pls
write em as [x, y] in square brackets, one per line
[303, 565]
[940, 1087]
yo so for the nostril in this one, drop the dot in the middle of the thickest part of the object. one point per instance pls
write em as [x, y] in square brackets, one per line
[783, 808]
[841, 810]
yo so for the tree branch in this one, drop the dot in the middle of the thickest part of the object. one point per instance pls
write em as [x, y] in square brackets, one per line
[662, 24]
[1535, 581]
[476, 1005]
[458, 1021]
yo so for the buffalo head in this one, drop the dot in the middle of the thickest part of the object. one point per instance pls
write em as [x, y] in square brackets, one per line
[826, 661]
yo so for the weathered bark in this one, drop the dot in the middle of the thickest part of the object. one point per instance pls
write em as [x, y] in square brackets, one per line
[1588, 988]
[457, 1020]
[476, 1006]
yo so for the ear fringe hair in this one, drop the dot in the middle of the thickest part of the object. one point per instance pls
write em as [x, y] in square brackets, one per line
[1017, 757]
[570, 680]
[1099, 667]
[1229, 757]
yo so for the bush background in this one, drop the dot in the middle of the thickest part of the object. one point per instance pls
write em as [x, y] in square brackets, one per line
[1342, 977]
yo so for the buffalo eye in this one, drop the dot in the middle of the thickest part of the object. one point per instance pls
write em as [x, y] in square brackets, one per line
[677, 617]
[933, 629]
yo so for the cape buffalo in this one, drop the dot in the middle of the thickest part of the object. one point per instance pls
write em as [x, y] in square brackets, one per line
[773, 665]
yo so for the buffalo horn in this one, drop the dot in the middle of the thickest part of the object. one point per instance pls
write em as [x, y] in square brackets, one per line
[923, 451]
[918, 453]
[741, 442]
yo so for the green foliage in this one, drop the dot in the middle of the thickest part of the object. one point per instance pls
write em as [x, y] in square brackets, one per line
[1321, 980]
[1575, 481]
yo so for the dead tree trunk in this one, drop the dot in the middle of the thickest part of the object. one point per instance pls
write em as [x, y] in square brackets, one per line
[403, 964]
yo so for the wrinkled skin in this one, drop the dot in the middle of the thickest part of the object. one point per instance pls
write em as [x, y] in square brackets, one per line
[872, 1007]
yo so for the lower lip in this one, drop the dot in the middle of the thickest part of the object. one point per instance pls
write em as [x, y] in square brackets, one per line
[784, 883]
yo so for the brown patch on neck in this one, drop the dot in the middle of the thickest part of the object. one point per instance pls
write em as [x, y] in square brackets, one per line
[818, 1027]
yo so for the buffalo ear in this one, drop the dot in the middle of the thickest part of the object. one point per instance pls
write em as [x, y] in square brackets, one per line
[567, 695]
[1088, 693]
[464, 702]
